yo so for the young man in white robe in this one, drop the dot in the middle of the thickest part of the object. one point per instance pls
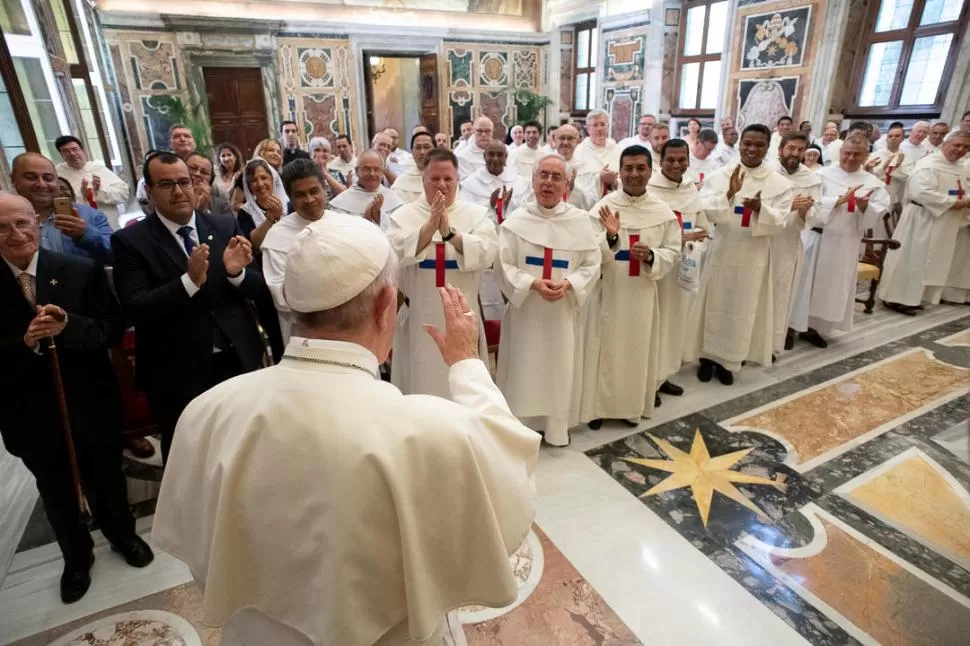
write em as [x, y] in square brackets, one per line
[395, 552]
[786, 247]
[110, 191]
[305, 186]
[368, 197]
[642, 135]
[398, 160]
[731, 320]
[930, 230]
[582, 176]
[496, 182]
[672, 186]
[852, 201]
[523, 159]
[409, 186]
[703, 160]
[892, 166]
[549, 148]
[471, 157]
[600, 151]
[439, 241]
[642, 245]
[549, 256]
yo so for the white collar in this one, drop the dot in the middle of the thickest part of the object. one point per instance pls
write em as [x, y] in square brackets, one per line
[31, 266]
[174, 227]
[336, 353]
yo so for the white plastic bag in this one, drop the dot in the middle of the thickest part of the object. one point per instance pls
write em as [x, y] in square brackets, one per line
[691, 259]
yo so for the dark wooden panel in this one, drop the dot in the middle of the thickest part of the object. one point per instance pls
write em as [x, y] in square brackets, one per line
[237, 109]
[429, 92]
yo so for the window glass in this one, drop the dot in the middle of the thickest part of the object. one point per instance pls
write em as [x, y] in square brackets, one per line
[689, 75]
[715, 30]
[582, 83]
[64, 31]
[712, 79]
[13, 20]
[877, 82]
[593, 46]
[582, 48]
[694, 30]
[925, 70]
[30, 75]
[893, 14]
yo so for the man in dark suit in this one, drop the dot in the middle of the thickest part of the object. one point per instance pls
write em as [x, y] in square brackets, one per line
[183, 279]
[46, 295]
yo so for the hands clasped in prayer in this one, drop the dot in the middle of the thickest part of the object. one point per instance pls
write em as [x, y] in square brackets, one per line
[506, 197]
[236, 257]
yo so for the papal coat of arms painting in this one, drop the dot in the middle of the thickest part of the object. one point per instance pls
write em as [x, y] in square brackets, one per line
[776, 39]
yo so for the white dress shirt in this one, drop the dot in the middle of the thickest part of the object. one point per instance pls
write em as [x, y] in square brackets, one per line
[173, 227]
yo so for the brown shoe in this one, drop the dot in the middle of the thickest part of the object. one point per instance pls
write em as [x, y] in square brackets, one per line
[139, 447]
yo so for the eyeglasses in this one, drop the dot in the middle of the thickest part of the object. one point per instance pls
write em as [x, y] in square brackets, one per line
[546, 176]
[204, 173]
[23, 226]
[168, 185]
[483, 131]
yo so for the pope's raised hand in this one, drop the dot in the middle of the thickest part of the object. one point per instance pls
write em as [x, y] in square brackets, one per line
[459, 341]
[610, 220]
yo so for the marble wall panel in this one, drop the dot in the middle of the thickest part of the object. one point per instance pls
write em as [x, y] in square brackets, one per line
[624, 108]
[316, 79]
[624, 56]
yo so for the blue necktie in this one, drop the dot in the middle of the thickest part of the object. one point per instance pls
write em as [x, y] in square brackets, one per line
[187, 241]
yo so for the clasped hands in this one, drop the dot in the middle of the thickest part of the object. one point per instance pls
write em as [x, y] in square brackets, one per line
[236, 257]
[373, 211]
[506, 195]
[439, 215]
[734, 185]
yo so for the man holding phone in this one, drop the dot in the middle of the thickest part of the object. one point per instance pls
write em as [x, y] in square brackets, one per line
[73, 229]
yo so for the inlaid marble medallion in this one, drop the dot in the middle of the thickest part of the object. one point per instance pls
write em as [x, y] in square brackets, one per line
[149, 627]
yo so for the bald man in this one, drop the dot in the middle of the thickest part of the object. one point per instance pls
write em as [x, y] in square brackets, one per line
[368, 197]
[582, 176]
[471, 156]
[915, 147]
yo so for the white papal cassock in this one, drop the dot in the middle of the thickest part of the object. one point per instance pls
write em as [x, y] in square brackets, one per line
[417, 366]
[409, 185]
[355, 200]
[540, 358]
[929, 231]
[675, 301]
[620, 367]
[307, 500]
[731, 320]
[893, 169]
[523, 159]
[787, 252]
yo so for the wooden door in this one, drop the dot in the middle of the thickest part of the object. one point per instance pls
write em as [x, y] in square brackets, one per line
[429, 92]
[237, 109]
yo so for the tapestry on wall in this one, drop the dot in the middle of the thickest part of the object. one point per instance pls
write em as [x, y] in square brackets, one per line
[765, 101]
[776, 39]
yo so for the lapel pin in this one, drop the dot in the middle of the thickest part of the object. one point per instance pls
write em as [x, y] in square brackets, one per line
[54, 282]
[210, 237]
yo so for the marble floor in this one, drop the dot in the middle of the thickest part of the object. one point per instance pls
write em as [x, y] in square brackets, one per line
[824, 500]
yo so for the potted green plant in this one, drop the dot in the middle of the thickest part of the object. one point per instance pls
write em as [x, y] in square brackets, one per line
[192, 117]
[530, 106]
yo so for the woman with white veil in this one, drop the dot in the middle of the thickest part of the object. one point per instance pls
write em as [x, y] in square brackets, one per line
[266, 201]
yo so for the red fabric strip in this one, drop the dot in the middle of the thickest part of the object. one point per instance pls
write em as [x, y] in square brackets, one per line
[852, 203]
[606, 189]
[680, 218]
[746, 218]
[547, 264]
[90, 197]
[889, 173]
[959, 189]
[565, 195]
[439, 264]
[634, 263]
[499, 210]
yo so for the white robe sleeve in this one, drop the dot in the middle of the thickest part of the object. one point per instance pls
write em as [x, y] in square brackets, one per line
[773, 215]
[715, 204]
[585, 276]
[274, 270]
[479, 247]
[405, 243]
[667, 254]
[113, 189]
[923, 189]
[515, 283]
[879, 203]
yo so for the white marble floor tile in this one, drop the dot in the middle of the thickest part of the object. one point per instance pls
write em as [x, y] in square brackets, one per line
[956, 440]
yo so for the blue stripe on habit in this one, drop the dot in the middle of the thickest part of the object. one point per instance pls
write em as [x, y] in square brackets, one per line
[430, 264]
[739, 210]
[623, 255]
[954, 192]
[533, 260]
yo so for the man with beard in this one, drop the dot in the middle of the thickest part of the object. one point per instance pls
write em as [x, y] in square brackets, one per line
[398, 160]
[439, 241]
[471, 156]
[852, 199]
[409, 185]
[731, 320]
[524, 157]
[670, 186]
[465, 128]
[601, 151]
[642, 246]
[497, 181]
[642, 136]
[892, 166]
[549, 259]
[368, 197]
[582, 177]
[933, 233]
[659, 135]
[786, 247]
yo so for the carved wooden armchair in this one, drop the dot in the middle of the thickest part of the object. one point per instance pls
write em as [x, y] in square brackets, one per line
[873, 257]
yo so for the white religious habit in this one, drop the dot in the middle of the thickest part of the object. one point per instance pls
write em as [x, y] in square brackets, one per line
[355, 200]
[701, 169]
[524, 159]
[111, 197]
[674, 301]
[540, 353]
[825, 298]
[930, 232]
[275, 249]
[338, 164]
[399, 161]
[470, 159]
[731, 320]
[409, 185]
[729, 154]
[635, 140]
[598, 158]
[586, 185]
[893, 169]
[914, 152]
[831, 152]
[417, 366]
[622, 337]
[787, 250]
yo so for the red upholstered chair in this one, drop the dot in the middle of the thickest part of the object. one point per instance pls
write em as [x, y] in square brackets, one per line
[138, 414]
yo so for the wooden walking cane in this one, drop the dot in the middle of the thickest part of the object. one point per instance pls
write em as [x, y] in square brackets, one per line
[82, 503]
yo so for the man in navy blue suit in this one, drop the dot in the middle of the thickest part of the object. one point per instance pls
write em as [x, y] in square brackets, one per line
[85, 233]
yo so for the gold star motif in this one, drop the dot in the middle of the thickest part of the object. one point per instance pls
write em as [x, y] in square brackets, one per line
[54, 282]
[704, 474]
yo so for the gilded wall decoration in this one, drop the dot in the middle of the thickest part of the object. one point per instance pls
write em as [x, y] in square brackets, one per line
[316, 68]
[493, 69]
[154, 65]
[776, 39]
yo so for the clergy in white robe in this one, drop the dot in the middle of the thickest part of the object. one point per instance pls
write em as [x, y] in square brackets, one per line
[550, 259]
[731, 319]
[304, 183]
[409, 185]
[672, 186]
[938, 208]
[487, 185]
[439, 241]
[892, 166]
[306, 498]
[852, 201]
[703, 160]
[786, 247]
[659, 135]
[642, 136]
[600, 152]
[398, 160]
[110, 191]
[471, 157]
[640, 246]
[582, 176]
[359, 199]
[915, 146]
[523, 159]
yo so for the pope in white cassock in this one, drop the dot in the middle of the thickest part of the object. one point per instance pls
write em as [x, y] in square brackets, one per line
[671, 186]
[731, 321]
[409, 185]
[368, 198]
[471, 156]
[305, 185]
[892, 166]
[315, 504]
[641, 245]
[933, 233]
[523, 159]
[786, 247]
[852, 201]
[582, 176]
[550, 259]
[439, 241]
[600, 152]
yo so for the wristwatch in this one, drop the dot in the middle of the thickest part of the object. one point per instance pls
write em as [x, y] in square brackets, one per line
[451, 234]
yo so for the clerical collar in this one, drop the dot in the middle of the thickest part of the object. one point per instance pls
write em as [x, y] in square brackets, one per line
[675, 181]
[333, 353]
[632, 196]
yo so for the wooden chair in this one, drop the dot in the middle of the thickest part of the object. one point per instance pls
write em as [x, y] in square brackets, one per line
[870, 266]
[138, 419]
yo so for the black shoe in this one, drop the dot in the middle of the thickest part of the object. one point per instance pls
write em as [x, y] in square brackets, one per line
[595, 424]
[657, 402]
[135, 551]
[773, 358]
[630, 423]
[902, 309]
[790, 339]
[668, 388]
[705, 371]
[724, 375]
[813, 337]
[76, 579]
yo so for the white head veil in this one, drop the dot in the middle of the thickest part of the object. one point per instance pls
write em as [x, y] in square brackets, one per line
[256, 211]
